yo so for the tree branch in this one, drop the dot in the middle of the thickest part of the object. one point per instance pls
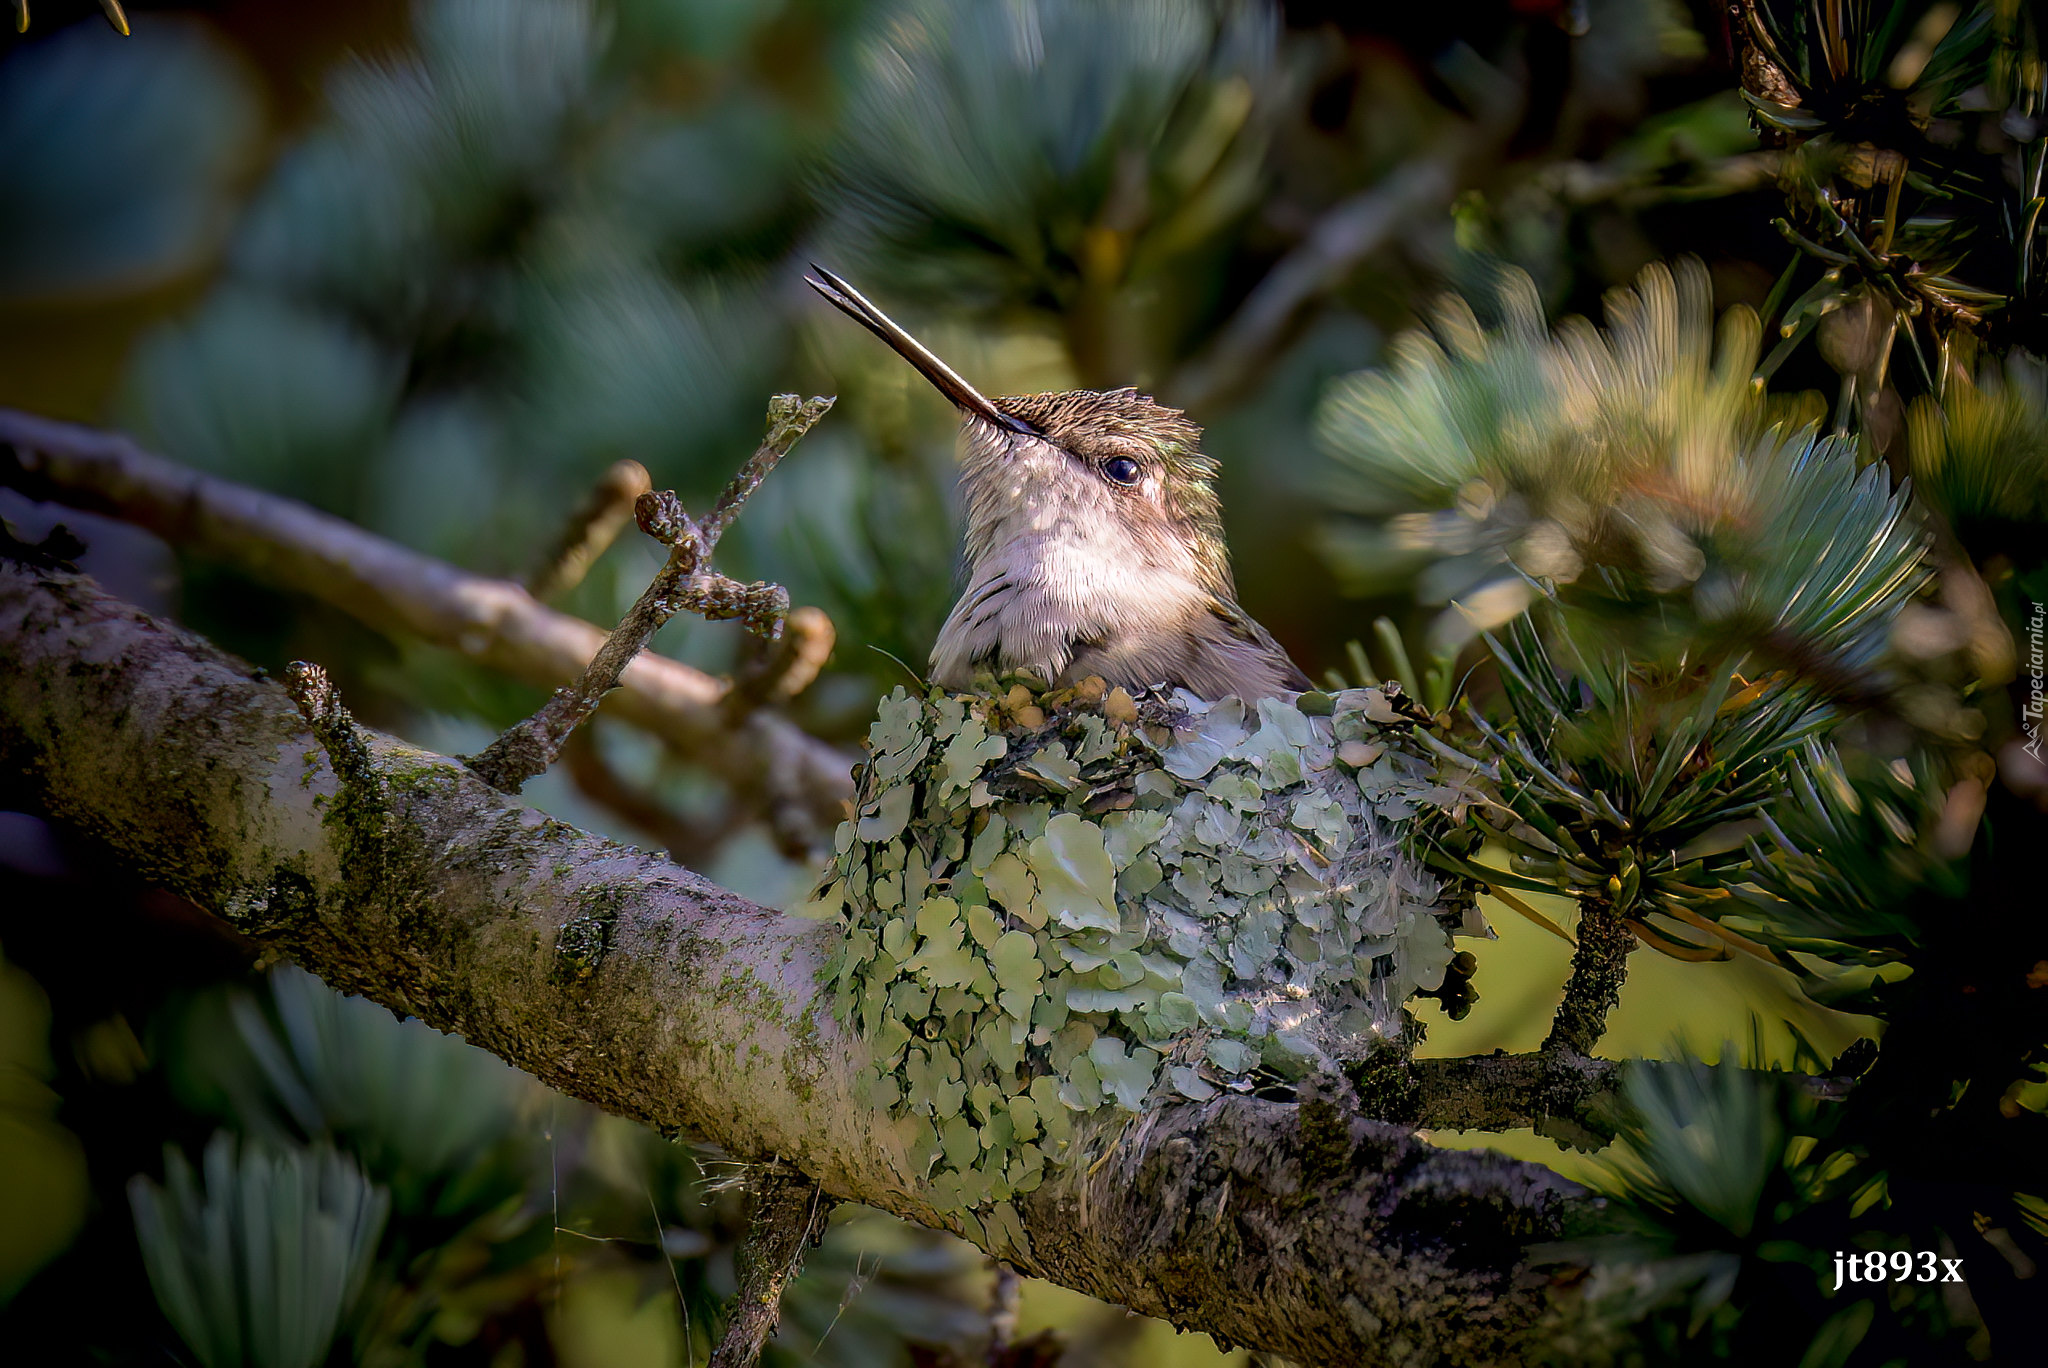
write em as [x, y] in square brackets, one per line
[1309, 1230]
[1599, 967]
[1503, 1092]
[788, 1217]
[604, 513]
[771, 764]
[1352, 230]
[685, 581]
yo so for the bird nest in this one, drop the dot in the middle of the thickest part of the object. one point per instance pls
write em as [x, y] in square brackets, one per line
[1062, 902]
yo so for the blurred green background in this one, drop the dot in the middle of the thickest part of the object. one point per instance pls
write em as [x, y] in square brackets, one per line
[433, 266]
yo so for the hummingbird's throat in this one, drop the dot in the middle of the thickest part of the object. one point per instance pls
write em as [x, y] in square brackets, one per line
[1065, 576]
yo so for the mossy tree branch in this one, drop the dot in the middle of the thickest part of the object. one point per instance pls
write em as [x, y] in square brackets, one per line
[772, 766]
[1599, 968]
[1312, 1231]
[787, 1216]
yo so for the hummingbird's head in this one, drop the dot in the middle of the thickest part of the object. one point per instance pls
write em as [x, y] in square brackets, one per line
[1063, 479]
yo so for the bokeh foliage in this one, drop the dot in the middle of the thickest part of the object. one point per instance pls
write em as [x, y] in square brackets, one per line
[1759, 692]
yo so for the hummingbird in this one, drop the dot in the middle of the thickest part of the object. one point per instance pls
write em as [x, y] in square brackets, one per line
[1094, 543]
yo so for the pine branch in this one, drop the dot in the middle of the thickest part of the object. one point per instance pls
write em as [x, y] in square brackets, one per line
[1599, 968]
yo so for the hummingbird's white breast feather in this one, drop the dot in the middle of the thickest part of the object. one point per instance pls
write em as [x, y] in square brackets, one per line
[1062, 582]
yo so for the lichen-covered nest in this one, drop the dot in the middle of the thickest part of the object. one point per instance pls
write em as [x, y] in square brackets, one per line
[1058, 902]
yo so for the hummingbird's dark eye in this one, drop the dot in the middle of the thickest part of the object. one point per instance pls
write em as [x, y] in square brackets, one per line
[1122, 469]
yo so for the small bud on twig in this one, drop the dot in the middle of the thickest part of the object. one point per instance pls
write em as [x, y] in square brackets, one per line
[319, 702]
[661, 516]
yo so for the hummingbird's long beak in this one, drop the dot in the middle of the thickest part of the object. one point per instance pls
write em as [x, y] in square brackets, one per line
[943, 377]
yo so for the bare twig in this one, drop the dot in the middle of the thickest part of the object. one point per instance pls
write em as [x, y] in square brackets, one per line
[789, 418]
[782, 669]
[688, 843]
[788, 1216]
[319, 702]
[1351, 231]
[786, 666]
[604, 513]
[685, 582]
[773, 766]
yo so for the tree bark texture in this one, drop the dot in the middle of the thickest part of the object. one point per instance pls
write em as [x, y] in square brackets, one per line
[609, 973]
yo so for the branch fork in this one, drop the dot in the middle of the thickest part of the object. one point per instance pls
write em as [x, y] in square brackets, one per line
[685, 583]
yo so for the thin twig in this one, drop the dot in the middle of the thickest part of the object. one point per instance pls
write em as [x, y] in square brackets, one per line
[604, 513]
[772, 765]
[319, 702]
[688, 843]
[1351, 231]
[685, 582]
[788, 1217]
[360, 803]
[789, 418]
[1599, 967]
[786, 666]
